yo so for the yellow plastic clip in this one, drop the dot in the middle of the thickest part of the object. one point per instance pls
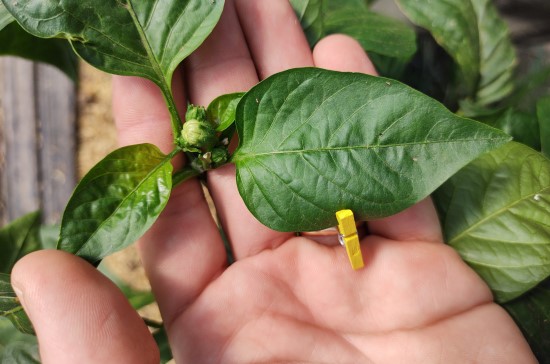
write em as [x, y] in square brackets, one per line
[348, 237]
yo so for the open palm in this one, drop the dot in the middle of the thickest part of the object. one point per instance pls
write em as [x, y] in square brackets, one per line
[286, 299]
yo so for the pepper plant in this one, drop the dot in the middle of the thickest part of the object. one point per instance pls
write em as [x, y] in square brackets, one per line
[318, 140]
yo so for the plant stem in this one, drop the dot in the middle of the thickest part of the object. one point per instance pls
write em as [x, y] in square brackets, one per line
[185, 174]
[175, 119]
[163, 81]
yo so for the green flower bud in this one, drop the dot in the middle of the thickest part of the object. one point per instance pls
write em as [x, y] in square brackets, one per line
[195, 112]
[219, 156]
[197, 134]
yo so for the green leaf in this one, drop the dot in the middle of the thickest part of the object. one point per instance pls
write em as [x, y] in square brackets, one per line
[496, 214]
[543, 113]
[532, 314]
[10, 335]
[21, 353]
[497, 54]
[49, 235]
[456, 31]
[313, 142]
[332, 5]
[522, 126]
[476, 37]
[310, 15]
[18, 239]
[376, 33]
[15, 41]
[128, 37]
[5, 17]
[11, 308]
[116, 202]
[222, 110]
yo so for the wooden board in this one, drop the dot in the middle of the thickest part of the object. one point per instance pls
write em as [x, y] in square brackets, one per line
[38, 139]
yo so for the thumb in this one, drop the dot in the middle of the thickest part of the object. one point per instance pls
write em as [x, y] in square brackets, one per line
[78, 314]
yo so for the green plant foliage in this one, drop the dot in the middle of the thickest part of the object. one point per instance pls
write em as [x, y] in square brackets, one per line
[116, 202]
[21, 353]
[476, 37]
[310, 14]
[222, 110]
[522, 126]
[154, 40]
[49, 235]
[497, 55]
[376, 33]
[496, 213]
[11, 308]
[456, 31]
[543, 113]
[18, 239]
[15, 41]
[12, 341]
[5, 17]
[313, 142]
[532, 314]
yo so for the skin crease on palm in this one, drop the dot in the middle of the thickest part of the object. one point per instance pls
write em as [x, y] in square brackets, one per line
[287, 299]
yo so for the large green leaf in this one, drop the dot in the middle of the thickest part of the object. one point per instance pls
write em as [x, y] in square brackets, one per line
[532, 314]
[18, 239]
[376, 33]
[496, 214]
[476, 37]
[15, 41]
[11, 308]
[5, 17]
[116, 202]
[128, 37]
[543, 114]
[313, 142]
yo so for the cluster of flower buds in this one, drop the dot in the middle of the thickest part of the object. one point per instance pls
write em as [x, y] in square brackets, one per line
[199, 135]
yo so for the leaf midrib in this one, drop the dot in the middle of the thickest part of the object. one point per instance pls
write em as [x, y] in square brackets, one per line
[241, 156]
[147, 46]
[123, 201]
[494, 214]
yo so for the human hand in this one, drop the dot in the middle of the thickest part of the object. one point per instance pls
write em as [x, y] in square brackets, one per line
[286, 299]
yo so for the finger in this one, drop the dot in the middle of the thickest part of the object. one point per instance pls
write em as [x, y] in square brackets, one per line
[419, 222]
[274, 36]
[342, 53]
[84, 319]
[183, 249]
[223, 64]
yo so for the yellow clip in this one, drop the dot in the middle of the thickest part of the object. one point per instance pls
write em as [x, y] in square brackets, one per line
[348, 237]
